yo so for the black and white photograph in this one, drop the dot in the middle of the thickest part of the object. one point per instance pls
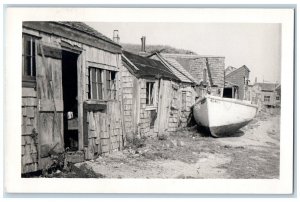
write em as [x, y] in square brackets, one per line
[151, 100]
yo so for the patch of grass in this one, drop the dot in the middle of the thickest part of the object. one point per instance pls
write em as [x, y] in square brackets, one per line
[261, 165]
[136, 142]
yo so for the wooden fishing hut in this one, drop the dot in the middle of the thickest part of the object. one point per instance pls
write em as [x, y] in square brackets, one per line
[154, 98]
[70, 93]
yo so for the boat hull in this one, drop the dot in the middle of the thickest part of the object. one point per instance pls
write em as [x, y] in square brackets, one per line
[223, 116]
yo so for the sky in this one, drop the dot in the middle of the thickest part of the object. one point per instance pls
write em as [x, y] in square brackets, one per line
[256, 45]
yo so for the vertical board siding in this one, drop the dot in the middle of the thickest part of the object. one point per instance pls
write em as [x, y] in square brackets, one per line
[104, 131]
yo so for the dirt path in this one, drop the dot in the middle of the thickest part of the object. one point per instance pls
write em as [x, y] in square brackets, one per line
[253, 152]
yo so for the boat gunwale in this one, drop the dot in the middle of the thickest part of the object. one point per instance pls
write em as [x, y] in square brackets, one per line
[231, 100]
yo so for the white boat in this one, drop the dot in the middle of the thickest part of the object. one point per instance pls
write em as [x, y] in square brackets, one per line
[223, 116]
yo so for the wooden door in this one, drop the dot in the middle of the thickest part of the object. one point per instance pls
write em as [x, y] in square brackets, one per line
[50, 100]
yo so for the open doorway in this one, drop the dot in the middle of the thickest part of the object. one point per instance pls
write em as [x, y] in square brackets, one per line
[69, 84]
[229, 92]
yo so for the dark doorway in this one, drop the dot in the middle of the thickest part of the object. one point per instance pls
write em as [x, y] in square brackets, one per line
[69, 83]
[228, 92]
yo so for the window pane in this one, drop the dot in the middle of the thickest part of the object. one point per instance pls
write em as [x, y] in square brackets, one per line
[99, 79]
[100, 91]
[93, 75]
[151, 93]
[27, 47]
[147, 93]
[28, 66]
[94, 90]
[33, 73]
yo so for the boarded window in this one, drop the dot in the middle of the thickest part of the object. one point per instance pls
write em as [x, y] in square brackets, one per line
[28, 59]
[183, 104]
[149, 93]
[267, 98]
[111, 85]
[95, 83]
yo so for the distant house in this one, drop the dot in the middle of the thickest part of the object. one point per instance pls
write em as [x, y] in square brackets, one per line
[154, 98]
[278, 95]
[265, 94]
[207, 71]
[236, 82]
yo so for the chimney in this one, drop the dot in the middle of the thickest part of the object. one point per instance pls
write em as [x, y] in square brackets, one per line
[116, 37]
[143, 48]
[255, 79]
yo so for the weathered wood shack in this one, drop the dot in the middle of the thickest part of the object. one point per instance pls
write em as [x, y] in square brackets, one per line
[208, 71]
[154, 99]
[186, 95]
[70, 93]
[237, 79]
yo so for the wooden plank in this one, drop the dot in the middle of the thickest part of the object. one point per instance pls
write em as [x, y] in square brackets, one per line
[57, 78]
[81, 81]
[28, 92]
[45, 128]
[94, 107]
[50, 51]
[47, 105]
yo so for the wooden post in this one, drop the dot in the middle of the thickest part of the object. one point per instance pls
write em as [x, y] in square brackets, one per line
[81, 68]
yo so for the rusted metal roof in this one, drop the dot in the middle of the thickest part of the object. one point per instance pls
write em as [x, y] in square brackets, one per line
[148, 67]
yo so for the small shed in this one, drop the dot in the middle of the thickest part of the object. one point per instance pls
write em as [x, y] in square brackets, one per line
[152, 96]
[239, 77]
[185, 94]
[70, 93]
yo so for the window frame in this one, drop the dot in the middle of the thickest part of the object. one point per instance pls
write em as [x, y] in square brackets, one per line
[148, 103]
[109, 84]
[29, 80]
[268, 98]
[97, 84]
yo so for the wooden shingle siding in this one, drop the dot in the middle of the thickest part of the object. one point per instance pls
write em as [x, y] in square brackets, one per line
[29, 158]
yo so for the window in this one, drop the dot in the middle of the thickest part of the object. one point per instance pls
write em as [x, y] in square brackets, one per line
[267, 98]
[95, 83]
[28, 60]
[149, 93]
[277, 98]
[111, 85]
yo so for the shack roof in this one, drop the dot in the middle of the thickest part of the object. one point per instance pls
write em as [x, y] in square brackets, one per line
[179, 71]
[235, 70]
[187, 61]
[80, 26]
[76, 31]
[267, 86]
[146, 67]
